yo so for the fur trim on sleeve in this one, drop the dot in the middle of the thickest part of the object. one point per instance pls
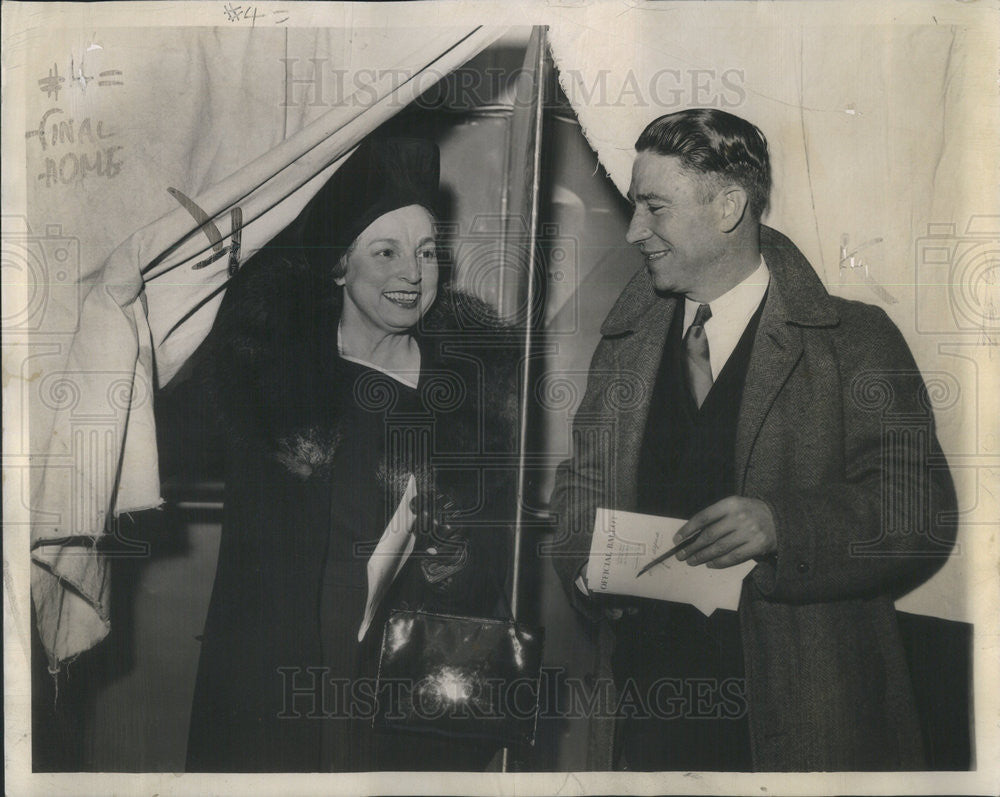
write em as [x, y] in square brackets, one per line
[267, 362]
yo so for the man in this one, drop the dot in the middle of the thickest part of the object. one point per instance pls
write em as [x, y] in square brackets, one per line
[760, 408]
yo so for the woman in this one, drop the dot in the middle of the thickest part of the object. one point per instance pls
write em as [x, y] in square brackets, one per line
[341, 373]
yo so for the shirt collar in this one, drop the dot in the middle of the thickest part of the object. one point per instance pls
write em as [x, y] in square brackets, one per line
[738, 303]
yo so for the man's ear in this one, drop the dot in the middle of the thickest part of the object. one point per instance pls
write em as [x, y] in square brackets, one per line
[734, 206]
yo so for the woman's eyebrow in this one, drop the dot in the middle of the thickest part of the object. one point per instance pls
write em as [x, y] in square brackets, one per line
[428, 240]
[374, 241]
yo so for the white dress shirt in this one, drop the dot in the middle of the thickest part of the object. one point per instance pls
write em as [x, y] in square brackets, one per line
[731, 313]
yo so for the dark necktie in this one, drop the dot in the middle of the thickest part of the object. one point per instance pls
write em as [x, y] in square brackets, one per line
[696, 349]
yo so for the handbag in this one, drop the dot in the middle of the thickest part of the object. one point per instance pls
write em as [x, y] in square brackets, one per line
[459, 677]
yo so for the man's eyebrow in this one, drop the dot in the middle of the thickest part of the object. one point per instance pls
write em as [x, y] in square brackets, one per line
[648, 197]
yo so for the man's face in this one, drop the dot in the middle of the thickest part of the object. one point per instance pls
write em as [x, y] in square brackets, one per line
[678, 232]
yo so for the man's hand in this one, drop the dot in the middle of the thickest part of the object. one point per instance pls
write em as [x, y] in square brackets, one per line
[733, 530]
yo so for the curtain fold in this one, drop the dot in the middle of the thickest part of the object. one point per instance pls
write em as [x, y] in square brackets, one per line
[219, 144]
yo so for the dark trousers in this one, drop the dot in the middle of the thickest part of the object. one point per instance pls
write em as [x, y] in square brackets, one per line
[682, 694]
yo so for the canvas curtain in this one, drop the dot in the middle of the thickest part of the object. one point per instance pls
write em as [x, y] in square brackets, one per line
[162, 158]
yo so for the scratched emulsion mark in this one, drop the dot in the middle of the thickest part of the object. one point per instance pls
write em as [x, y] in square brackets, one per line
[73, 149]
[207, 226]
[856, 261]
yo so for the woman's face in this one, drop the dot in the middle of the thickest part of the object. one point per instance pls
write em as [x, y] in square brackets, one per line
[392, 273]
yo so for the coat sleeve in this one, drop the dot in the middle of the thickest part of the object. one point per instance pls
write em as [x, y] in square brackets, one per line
[583, 481]
[466, 577]
[889, 521]
[259, 363]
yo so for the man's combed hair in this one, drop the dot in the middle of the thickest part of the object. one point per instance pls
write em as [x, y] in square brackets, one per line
[714, 142]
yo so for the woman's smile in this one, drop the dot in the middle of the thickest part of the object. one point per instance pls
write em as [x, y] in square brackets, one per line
[405, 299]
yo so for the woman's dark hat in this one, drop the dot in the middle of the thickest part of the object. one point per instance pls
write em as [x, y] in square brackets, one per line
[381, 176]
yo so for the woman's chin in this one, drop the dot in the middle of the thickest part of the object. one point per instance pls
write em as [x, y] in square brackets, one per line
[401, 318]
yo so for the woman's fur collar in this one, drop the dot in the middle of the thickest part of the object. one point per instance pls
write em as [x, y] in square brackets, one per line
[272, 352]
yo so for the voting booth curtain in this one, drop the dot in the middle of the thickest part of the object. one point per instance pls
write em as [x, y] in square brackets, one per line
[165, 174]
[151, 179]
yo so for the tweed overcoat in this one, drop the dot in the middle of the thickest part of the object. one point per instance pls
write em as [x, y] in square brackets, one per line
[836, 434]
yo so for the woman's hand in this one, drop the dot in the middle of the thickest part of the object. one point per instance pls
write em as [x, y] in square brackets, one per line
[434, 525]
[440, 544]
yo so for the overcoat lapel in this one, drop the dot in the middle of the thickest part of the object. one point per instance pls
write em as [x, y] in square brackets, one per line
[776, 350]
[638, 368]
[796, 300]
[640, 319]
[643, 317]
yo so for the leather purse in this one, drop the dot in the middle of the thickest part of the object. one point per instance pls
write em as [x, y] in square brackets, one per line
[459, 677]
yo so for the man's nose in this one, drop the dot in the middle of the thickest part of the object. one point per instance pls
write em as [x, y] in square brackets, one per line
[637, 230]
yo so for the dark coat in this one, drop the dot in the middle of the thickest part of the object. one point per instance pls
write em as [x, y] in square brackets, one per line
[283, 394]
[836, 435]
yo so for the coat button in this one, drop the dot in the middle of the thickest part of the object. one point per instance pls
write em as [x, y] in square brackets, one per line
[802, 567]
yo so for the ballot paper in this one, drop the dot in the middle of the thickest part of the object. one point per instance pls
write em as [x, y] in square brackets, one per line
[624, 542]
[389, 556]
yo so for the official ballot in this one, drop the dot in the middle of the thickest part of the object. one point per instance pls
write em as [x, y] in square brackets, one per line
[389, 556]
[624, 542]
